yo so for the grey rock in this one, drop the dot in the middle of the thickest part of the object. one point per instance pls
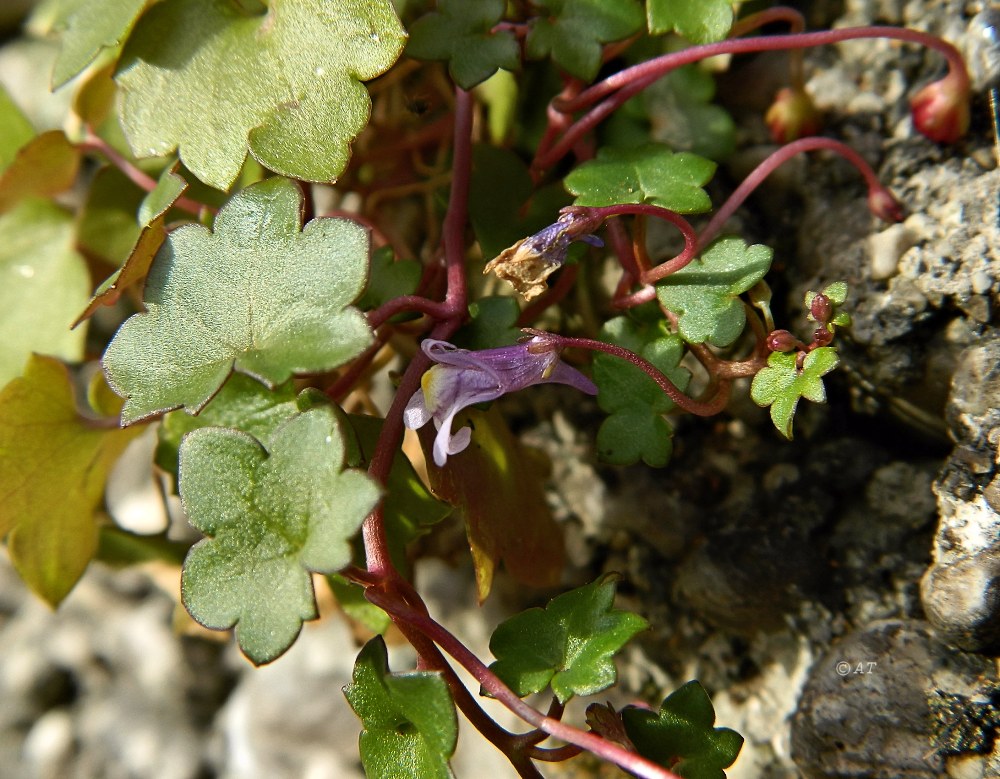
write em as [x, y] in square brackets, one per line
[961, 588]
[870, 707]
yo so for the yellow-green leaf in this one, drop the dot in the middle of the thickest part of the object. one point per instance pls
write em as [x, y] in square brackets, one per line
[53, 466]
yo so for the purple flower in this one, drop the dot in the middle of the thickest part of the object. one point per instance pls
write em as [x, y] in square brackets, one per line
[463, 378]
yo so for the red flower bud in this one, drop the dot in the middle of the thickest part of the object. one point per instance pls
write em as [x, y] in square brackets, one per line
[821, 308]
[885, 206]
[792, 115]
[941, 109]
[782, 341]
[822, 337]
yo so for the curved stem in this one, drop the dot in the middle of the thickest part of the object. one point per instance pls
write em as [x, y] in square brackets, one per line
[775, 160]
[432, 308]
[140, 178]
[712, 406]
[599, 746]
[664, 269]
[621, 86]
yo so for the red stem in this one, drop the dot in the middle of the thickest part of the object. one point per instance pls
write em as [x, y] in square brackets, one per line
[775, 160]
[713, 406]
[599, 746]
[95, 143]
[451, 311]
[621, 86]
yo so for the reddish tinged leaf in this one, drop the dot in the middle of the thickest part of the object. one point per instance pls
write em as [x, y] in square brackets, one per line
[46, 166]
[498, 489]
[606, 722]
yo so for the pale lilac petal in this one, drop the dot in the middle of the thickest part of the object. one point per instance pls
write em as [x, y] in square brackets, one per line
[445, 443]
[416, 415]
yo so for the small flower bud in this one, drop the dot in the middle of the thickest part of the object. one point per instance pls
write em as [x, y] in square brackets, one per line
[941, 109]
[822, 337]
[885, 206]
[792, 115]
[782, 341]
[821, 308]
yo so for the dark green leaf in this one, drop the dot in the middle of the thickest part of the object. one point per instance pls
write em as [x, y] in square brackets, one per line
[570, 644]
[205, 78]
[648, 174]
[272, 515]
[119, 548]
[410, 727]
[256, 294]
[705, 294]
[242, 403]
[493, 324]
[389, 279]
[460, 32]
[351, 598]
[703, 21]
[683, 116]
[572, 32]
[635, 428]
[781, 383]
[681, 735]
[145, 234]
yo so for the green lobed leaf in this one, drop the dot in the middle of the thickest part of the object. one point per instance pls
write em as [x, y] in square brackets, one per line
[53, 468]
[572, 32]
[410, 726]
[683, 116]
[703, 21]
[782, 383]
[256, 294]
[569, 644]
[242, 403]
[460, 31]
[87, 27]
[647, 174]
[106, 225]
[635, 428]
[44, 283]
[209, 80]
[273, 512]
[705, 293]
[681, 735]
